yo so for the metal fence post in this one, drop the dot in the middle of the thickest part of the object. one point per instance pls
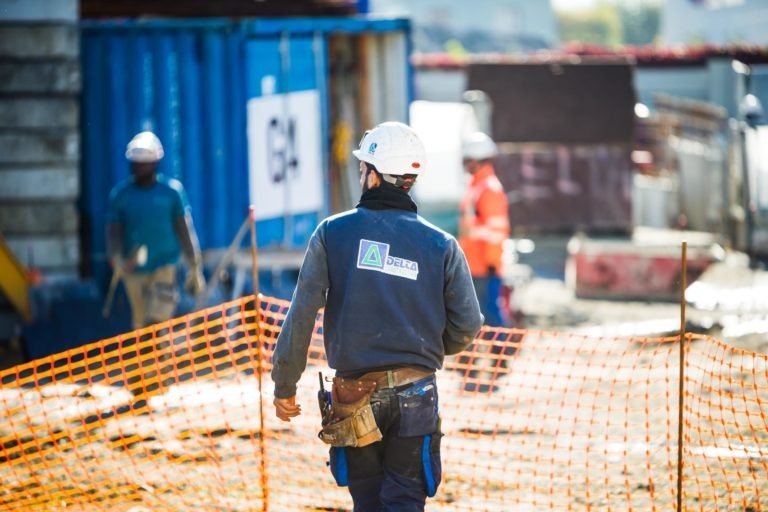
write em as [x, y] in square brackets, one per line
[681, 390]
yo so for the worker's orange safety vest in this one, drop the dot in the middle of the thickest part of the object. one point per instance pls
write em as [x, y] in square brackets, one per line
[484, 222]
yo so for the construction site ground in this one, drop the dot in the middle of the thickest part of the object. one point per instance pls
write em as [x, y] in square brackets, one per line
[549, 305]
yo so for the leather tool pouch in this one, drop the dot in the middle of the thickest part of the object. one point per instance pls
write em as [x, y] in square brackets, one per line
[350, 421]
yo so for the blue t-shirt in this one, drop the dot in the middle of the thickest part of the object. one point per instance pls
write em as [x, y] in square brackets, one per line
[148, 215]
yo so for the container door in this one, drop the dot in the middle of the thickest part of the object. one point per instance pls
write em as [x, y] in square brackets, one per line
[369, 83]
[286, 126]
[182, 80]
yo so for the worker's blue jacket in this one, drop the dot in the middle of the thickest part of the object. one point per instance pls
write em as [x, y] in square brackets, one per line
[397, 292]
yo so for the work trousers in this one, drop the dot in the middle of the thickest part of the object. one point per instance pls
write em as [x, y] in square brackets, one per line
[152, 295]
[488, 289]
[399, 472]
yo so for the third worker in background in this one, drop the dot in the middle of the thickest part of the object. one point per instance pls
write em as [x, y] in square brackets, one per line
[149, 226]
[484, 223]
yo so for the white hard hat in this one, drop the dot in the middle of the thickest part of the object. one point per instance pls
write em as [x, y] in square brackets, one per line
[145, 147]
[393, 148]
[478, 146]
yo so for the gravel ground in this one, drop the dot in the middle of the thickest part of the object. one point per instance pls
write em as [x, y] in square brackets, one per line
[578, 421]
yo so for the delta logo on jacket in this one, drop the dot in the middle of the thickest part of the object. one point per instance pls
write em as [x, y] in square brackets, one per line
[375, 256]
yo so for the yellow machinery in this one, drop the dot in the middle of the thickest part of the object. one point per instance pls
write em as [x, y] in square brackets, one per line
[14, 284]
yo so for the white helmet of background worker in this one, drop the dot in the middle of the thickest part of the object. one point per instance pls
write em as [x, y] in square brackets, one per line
[145, 147]
[393, 148]
[478, 146]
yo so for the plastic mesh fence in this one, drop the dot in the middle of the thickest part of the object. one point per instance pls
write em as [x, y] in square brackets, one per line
[170, 418]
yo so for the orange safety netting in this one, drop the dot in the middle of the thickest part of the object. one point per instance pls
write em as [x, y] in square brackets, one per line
[170, 418]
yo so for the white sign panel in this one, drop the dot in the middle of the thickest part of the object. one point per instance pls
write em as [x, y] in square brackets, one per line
[284, 154]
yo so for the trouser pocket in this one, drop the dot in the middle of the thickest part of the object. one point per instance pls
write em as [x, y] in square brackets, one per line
[432, 462]
[162, 300]
[418, 408]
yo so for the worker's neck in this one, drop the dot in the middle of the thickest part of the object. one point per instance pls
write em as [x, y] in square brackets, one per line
[145, 181]
[482, 171]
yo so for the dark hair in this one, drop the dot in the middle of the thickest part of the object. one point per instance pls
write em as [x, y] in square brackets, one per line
[403, 181]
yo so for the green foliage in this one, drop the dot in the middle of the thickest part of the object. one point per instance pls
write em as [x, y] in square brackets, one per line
[601, 25]
[455, 48]
[612, 24]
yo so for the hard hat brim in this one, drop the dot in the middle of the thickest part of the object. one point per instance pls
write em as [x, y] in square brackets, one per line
[363, 156]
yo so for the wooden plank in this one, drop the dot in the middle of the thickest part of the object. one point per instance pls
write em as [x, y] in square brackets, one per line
[39, 41]
[61, 76]
[49, 253]
[38, 218]
[40, 10]
[51, 183]
[44, 113]
[39, 148]
[190, 8]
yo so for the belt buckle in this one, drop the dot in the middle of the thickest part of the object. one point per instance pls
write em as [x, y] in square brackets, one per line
[390, 378]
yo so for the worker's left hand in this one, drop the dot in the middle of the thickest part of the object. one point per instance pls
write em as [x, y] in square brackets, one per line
[286, 408]
[195, 282]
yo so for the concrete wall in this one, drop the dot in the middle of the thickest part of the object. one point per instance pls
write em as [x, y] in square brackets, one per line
[715, 81]
[39, 132]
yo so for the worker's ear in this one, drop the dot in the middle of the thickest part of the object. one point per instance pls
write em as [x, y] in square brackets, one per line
[374, 180]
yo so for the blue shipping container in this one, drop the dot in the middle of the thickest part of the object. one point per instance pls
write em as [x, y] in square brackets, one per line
[191, 82]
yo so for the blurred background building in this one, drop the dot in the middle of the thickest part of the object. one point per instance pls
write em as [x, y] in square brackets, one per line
[717, 22]
[483, 26]
[630, 116]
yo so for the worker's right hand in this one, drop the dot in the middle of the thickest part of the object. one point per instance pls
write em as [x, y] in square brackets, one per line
[119, 264]
[286, 408]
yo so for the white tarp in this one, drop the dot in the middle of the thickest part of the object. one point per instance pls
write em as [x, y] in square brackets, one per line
[757, 158]
[442, 125]
[757, 151]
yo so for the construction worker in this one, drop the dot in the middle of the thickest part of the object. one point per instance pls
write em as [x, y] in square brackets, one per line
[484, 223]
[398, 298]
[149, 225]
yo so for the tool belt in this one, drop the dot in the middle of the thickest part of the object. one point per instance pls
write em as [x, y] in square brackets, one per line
[396, 378]
[350, 420]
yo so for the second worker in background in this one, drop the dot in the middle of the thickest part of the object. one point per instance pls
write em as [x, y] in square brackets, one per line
[484, 224]
[149, 226]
